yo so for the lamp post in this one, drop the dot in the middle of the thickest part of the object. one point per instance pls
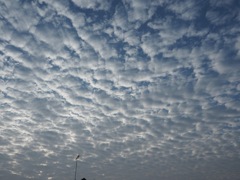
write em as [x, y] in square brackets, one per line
[76, 167]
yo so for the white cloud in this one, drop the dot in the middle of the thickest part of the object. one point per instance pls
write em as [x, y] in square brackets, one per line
[99, 44]
[218, 17]
[95, 4]
[139, 10]
[186, 10]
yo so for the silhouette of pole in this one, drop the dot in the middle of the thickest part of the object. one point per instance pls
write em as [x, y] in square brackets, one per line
[76, 167]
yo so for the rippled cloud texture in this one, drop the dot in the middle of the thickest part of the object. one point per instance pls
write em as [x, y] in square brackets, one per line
[140, 89]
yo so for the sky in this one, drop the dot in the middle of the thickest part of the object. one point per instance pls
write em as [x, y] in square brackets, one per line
[140, 89]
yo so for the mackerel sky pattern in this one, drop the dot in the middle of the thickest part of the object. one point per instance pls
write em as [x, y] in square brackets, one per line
[141, 89]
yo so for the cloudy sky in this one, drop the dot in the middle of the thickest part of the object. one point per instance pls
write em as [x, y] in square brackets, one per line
[140, 89]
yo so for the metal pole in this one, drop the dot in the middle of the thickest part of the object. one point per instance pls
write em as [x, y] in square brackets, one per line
[76, 171]
[76, 168]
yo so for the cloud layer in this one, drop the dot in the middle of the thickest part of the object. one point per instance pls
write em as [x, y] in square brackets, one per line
[140, 89]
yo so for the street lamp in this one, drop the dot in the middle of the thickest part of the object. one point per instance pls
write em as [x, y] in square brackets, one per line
[76, 167]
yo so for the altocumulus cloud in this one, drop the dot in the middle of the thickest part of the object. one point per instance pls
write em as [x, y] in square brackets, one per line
[140, 89]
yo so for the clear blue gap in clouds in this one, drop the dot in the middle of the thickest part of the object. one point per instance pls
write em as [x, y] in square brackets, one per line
[140, 89]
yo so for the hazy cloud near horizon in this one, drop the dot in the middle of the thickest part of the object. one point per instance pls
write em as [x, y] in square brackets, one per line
[140, 89]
